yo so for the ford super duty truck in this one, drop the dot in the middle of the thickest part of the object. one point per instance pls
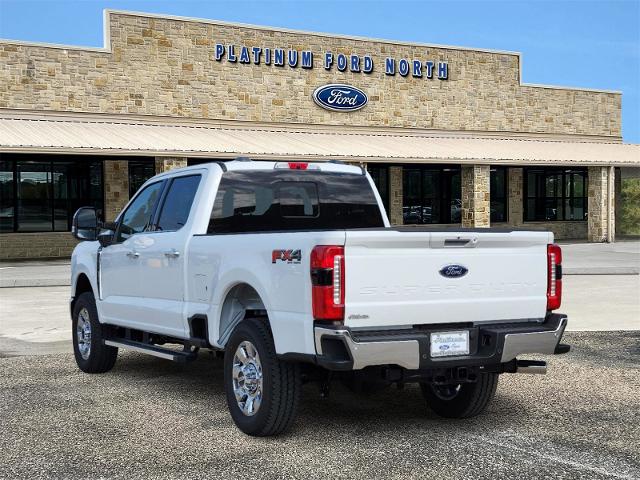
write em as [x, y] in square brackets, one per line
[293, 271]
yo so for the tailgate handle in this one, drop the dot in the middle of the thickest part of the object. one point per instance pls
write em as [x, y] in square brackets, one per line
[460, 242]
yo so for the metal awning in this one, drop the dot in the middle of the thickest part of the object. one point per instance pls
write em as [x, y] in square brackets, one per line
[109, 136]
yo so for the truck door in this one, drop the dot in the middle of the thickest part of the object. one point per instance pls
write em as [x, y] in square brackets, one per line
[161, 286]
[120, 261]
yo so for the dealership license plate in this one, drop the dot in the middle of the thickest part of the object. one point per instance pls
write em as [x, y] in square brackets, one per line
[449, 344]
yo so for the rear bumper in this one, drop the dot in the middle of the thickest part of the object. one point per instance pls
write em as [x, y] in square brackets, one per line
[339, 348]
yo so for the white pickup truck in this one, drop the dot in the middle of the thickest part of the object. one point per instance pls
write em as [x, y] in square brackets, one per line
[292, 270]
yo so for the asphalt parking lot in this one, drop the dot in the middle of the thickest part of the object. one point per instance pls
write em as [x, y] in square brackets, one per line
[149, 418]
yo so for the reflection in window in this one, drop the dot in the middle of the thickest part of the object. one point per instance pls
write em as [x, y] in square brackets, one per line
[137, 217]
[139, 172]
[431, 195]
[40, 193]
[177, 203]
[553, 194]
[498, 194]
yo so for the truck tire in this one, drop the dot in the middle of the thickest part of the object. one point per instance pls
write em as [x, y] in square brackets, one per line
[92, 356]
[462, 400]
[262, 391]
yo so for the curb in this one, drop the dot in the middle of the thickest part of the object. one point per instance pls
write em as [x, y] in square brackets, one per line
[30, 282]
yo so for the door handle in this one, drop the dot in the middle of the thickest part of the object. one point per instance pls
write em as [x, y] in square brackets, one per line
[173, 253]
[132, 254]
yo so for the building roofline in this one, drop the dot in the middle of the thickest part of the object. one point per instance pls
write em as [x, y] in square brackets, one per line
[106, 48]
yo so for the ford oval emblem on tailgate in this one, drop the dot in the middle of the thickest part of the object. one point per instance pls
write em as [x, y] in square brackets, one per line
[340, 98]
[453, 271]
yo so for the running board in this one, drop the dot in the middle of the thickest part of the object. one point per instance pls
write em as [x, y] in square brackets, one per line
[166, 353]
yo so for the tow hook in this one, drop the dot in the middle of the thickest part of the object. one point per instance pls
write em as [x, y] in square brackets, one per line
[531, 366]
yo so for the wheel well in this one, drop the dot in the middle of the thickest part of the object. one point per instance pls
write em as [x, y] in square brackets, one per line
[82, 285]
[241, 301]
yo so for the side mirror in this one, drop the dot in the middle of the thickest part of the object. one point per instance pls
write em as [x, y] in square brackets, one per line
[85, 224]
[107, 233]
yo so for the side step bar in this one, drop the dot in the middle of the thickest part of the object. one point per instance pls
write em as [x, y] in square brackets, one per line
[531, 366]
[166, 353]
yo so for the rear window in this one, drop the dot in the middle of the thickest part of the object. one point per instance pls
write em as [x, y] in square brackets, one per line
[262, 201]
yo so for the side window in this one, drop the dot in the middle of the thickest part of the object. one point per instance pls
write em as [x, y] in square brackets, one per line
[137, 217]
[177, 203]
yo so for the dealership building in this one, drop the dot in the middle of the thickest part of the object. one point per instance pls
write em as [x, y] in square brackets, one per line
[452, 136]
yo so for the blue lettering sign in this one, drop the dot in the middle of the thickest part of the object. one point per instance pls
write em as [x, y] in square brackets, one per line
[403, 67]
[390, 66]
[244, 55]
[328, 60]
[293, 58]
[307, 59]
[340, 98]
[278, 57]
[342, 62]
[231, 55]
[267, 56]
[368, 64]
[219, 51]
[429, 66]
[355, 63]
[256, 55]
[417, 68]
[443, 70]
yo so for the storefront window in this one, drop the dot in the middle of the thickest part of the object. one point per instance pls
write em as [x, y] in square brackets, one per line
[380, 176]
[431, 195]
[555, 194]
[39, 193]
[139, 172]
[498, 194]
[7, 196]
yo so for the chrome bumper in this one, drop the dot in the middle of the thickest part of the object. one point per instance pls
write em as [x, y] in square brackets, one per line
[405, 353]
[532, 342]
[410, 348]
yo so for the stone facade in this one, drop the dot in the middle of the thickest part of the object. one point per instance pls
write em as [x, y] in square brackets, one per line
[395, 195]
[600, 217]
[167, 67]
[116, 188]
[475, 195]
[164, 164]
[19, 246]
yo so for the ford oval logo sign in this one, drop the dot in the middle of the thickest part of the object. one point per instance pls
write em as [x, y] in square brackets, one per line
[453, 271]
[340, 98]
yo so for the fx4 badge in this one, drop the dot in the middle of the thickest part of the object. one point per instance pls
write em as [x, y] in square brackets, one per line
[287, 256]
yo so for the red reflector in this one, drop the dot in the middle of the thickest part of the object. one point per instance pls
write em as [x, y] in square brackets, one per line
[298, 165]
[554, 277]
[327, 282]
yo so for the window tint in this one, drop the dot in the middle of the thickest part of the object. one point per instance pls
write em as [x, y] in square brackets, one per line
[554, 194]
[177, 203]
[137, 217]
[258, 201]
[498, 194]
[431, 195]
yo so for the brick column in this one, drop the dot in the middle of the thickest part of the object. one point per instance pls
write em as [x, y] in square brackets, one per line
[601, 201]
[515, 188]
[475, 196]
[116, 187]
[395, 196]
[164, 164]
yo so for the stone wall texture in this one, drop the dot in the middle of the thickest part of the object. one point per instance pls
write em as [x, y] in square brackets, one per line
[116, 187]
[167, 67]
[475, 196]
[16, 246]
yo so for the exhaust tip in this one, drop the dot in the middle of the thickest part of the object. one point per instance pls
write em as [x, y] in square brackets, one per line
[538, 367]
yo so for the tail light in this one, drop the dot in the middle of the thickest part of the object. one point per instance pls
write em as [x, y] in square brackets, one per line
[327, 282]
[554, 276]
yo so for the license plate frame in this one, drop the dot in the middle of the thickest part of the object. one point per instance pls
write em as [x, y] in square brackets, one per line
[450, 343]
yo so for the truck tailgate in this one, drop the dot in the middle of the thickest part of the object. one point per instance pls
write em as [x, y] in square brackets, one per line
[394, 278]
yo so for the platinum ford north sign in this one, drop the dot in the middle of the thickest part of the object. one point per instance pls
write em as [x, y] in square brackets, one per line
[340, 98]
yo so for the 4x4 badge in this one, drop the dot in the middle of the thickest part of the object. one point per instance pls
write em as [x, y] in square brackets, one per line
[288, 256]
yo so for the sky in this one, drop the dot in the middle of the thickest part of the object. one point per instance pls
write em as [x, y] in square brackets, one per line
[577, 43]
